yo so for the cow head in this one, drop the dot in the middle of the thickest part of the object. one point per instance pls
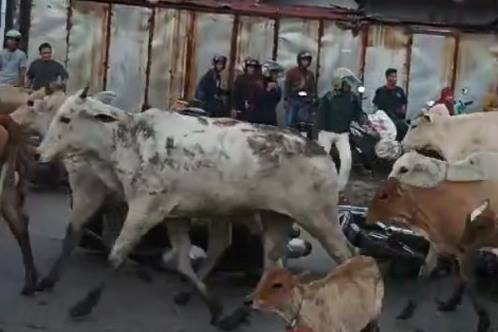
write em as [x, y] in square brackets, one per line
[418, 170]
[274, 291]
[82, 125]
[391, 203]
[426, 136]
[480, 227]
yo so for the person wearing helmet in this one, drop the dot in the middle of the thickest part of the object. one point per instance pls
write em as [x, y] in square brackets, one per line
[12, 60]
[209, 90]
[298, 80]
[245, 88]
[268, 94]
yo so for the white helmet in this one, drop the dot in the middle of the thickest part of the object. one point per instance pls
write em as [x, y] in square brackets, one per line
[15, 34]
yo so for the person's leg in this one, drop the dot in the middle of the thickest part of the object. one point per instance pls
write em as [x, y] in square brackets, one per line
[4, 137]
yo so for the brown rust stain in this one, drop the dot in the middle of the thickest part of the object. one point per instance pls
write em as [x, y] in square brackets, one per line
[392, 38]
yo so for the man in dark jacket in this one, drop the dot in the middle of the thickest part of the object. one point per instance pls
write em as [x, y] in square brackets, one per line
[299, 79]
[392, 99]
[209, 91]
[245, 90]
[45, 70]
[268, 94]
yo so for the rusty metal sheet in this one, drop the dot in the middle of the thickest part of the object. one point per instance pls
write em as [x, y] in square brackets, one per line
[339, 48]
[48, 24]
[169, 49]
[386, 48]
[86, 48]
[128, 55]
[294, 36]
[254, 38]
[477, 67]
[213, 33]
[431, 69]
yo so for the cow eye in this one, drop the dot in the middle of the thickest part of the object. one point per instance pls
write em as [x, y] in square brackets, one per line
[278, 285]
[64, 119]
[31, 103]
[403, 170]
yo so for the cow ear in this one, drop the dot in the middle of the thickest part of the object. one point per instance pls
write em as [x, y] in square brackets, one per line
[105, 117]
[477, 212]
[428, 117]
[84, 93]
[106, 97]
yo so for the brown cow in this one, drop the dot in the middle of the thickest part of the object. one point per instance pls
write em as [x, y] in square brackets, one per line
[439, 213]
[18, 159]
[349, 299]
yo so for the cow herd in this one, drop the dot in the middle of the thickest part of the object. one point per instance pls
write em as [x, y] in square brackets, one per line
[170, 168]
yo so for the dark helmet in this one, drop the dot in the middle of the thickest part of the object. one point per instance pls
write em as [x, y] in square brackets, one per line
[250, 62]
[219, 58]
[269, 67]
[304, 55]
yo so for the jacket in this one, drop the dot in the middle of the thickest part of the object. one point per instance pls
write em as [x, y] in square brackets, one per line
[265, 106]
[337, 110]
[210, 93]
[298, 79]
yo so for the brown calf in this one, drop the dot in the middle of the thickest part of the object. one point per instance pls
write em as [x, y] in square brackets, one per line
[440, 213]
[18, 158]
[349, 299]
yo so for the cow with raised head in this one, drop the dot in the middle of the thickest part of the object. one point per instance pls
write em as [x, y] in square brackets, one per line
[456, 137]
[439, 213]
[169, 166]
[348, 299]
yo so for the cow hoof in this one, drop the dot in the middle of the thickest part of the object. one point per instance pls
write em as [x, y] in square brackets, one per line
[46, 284]
[182, 298]
[408, 311]
[484, 323]
[85, 306]
[215, 309]
[446, 306]
[235, 319]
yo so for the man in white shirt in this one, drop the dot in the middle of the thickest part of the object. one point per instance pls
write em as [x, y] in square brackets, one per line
[12, 61]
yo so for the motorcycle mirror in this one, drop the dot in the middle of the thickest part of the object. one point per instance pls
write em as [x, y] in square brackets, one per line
[361, 89]
[302, 93]
[465, 91]
[431, 103]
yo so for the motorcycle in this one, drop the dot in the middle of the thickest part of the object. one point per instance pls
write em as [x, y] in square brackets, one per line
[306, 117]
[405, 249]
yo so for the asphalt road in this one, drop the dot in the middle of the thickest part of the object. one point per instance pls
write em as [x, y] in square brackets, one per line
[131, 304]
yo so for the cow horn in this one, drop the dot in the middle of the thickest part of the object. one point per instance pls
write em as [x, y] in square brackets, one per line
[84, 94]
[477, 212]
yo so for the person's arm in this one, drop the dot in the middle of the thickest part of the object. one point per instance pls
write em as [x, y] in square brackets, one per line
[22, 69]
[200, 91]
[323, 107]
[376, 101]
[402, 110]
[63, 74]
[30, 75]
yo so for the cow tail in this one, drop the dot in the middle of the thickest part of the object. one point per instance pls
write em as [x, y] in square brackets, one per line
[344, 149]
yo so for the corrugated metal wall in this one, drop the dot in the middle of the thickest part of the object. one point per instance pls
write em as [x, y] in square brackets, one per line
[156, 55]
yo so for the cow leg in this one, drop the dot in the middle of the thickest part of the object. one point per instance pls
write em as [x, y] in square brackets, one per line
[455, 299]
[142, 216]
[484, 322]
[218, 241]
[276, 230]
[325, 228]
[180, 241]
[18, 224]
[85, 204]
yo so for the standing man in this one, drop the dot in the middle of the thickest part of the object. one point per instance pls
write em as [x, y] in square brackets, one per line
[12, 60]
[244, 91]
[209, 90]
[392, 99]
[45, 70]
[268, 94]
[299, 79]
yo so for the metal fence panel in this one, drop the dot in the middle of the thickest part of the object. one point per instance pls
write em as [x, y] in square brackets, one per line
[386, 48]
[213, 35]
[128, 55]
[168, 61]
[48, 24]
[339, 48]
[431, 69]
[86, 49]
[477, 67]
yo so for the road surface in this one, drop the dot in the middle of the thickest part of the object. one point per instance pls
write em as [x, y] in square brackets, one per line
[131, 304]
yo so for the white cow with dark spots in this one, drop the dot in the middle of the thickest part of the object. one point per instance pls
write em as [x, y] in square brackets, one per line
[170, 166]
